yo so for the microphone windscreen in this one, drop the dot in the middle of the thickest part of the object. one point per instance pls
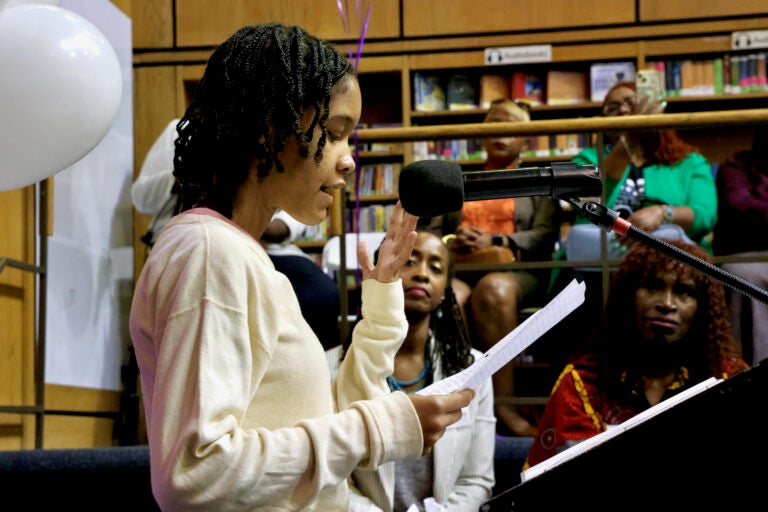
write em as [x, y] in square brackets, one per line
[429, 188]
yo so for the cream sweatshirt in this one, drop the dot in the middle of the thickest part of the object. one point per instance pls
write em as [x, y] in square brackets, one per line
[237, 393]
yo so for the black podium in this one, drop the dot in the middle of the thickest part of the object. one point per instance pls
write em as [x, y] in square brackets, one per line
[709, 452]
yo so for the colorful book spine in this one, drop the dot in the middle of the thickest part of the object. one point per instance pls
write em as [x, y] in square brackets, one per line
[661, 70]
[735, 73]
[676, 78]
[744, 81]
[527, 87]
[493, 87]
[669, 81]
[428, 92]
[687, 78]
[718, 74]
[761, 84]
[708, 77]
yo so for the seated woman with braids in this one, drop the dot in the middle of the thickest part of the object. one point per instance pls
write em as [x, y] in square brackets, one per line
[459, 473]
[665, 329]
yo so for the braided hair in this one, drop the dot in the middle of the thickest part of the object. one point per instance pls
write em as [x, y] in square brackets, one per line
[453, 344]
[256, 86]
[453, 341]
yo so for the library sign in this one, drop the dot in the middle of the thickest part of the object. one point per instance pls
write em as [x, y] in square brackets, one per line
[749, 39]
[518, 54]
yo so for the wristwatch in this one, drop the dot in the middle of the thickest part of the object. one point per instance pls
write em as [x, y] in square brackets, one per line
[669, 213]
[497, 240]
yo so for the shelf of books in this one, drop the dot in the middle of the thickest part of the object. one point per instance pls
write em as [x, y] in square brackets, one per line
[557, 90]
[709, 78]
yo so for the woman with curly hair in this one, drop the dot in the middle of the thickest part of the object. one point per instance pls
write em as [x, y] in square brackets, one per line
[241, 412]
[436, 346]
[665, 328]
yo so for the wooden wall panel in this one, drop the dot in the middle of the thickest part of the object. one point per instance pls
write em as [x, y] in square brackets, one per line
[152, 23]
[17, 320]
[663, 10]
[450, 17]
[595, 52]
[664, 47]
[155, 103]
[124, 5]
[206, 23]
[79, 431]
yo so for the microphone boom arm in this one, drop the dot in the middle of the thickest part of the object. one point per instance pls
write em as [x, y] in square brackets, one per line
[609, 220]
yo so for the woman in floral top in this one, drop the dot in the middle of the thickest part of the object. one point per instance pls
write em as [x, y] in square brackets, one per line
[665, 329]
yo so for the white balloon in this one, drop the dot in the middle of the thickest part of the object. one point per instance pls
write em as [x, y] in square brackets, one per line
[60, 89]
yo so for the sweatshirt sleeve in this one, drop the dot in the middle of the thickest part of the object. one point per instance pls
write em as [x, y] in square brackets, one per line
[363, 373]
[376, 339]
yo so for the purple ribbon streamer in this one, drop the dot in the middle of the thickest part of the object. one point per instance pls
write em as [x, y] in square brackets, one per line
[345, 21]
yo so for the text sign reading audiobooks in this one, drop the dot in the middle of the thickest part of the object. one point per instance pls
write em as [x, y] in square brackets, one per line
[749, 39]
[518, 54]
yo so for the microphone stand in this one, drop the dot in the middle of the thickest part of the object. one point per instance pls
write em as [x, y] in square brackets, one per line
[609, 220]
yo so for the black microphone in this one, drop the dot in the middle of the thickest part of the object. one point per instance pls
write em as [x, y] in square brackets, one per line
[435, 187]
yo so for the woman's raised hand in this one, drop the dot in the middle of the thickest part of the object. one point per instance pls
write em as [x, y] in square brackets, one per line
[394, 250]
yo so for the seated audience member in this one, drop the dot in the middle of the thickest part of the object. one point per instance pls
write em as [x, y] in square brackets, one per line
[652, 178]
[742, 192]
[154, 193]
[459, 473]
[154, 190]
[442, 225]
[318, 294]
[525, 225]
[664, 329]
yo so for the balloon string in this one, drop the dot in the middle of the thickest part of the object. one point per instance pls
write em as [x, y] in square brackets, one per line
[356, 211]
[344, 19]
[357, 12]
[355, 59]
[362, 35]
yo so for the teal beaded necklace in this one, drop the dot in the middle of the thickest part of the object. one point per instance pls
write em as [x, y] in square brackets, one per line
[423, 377]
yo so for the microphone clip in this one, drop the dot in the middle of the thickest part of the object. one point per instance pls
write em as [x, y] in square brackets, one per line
[598, 214]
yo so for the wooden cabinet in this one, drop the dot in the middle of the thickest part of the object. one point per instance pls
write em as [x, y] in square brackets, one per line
[17, 316]
[204, 23]
[451, 17]
[666, 10]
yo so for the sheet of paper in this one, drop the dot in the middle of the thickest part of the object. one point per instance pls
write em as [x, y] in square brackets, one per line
[513, 343]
